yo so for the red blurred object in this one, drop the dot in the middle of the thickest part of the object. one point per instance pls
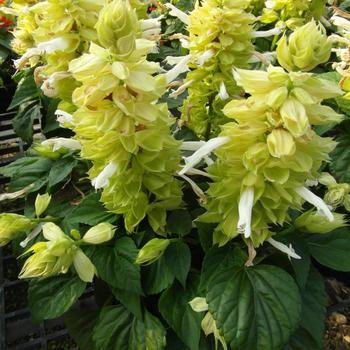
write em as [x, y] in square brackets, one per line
[5, 22]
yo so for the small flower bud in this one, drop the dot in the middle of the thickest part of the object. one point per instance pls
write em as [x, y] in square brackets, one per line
[337, 194]
[41, 203]
[307, 47]
[100, 233]
[152, 251]
[312, 222]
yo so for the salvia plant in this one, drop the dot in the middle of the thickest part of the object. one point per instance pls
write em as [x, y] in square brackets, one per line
[193, 168]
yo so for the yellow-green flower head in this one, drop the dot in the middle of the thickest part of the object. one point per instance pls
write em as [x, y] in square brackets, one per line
[220, 34]
[118, 27]
[312, 222]
[56, 256]
[293, 12]
[337, 195]
[265, 157]
[12, 226]
[307, 47]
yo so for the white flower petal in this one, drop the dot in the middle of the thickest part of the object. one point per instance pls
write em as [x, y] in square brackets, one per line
[245, 208]
[205, 56]
[174, 11]
[181, 67]
[318, 202]
[223, 95]
[61, 142]
[266, 33]
[191, 145]
[34, 233]
[102, 180]
[196, 189]
[283, 248]
[204, 150]
[63, 117]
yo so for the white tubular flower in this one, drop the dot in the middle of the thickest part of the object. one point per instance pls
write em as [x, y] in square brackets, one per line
[318, 202]
[49, 87]
[63, 117]
[61, 142]
[174, 11]
[265, 57]
[205, 56]
[223, 95]
[196, 189]
[181, 89]
[245, 208]
[102, 180]
[173, 60]
[181, 67]
[57, 44]
[13, 195]
[151, 27]
[340, 22]
[266, 33]
[32, 235]
[185, 43]
[283, 248]
[270, 4]
[203, 151]
[192, 145]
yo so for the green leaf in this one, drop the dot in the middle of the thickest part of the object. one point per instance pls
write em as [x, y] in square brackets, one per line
[118, 329]
[61, 169]
[332, 249]
[24, 119]
[116, 265]
[51, 297]
[340, 164]
[255, 308]
[157, 276]
[218, 259]
[175, 309]
[178, 258]
[205, 234]
[179, 222]
[26, 91]
[27, 171]
[89, 212]
[310, 333]
[80, 324]
[130, 300]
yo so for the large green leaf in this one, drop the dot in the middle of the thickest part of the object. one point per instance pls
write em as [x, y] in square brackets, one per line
[178, 258]
[89, 212]
[26, 91]
[179, 222]
[116, 265]
[61, 169]
[52, 297]
[132, 301]
[157, 276]
[27, 171]
[255, 308]
[340, 164]
[217, 259]
[80, 324]
[24, 119]
[175, 309]
[310, 333]
[332, 249]
[118, 329]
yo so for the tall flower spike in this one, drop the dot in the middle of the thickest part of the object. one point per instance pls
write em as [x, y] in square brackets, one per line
[245, 208]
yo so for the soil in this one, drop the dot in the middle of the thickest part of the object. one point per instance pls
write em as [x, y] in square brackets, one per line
[337, 335]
